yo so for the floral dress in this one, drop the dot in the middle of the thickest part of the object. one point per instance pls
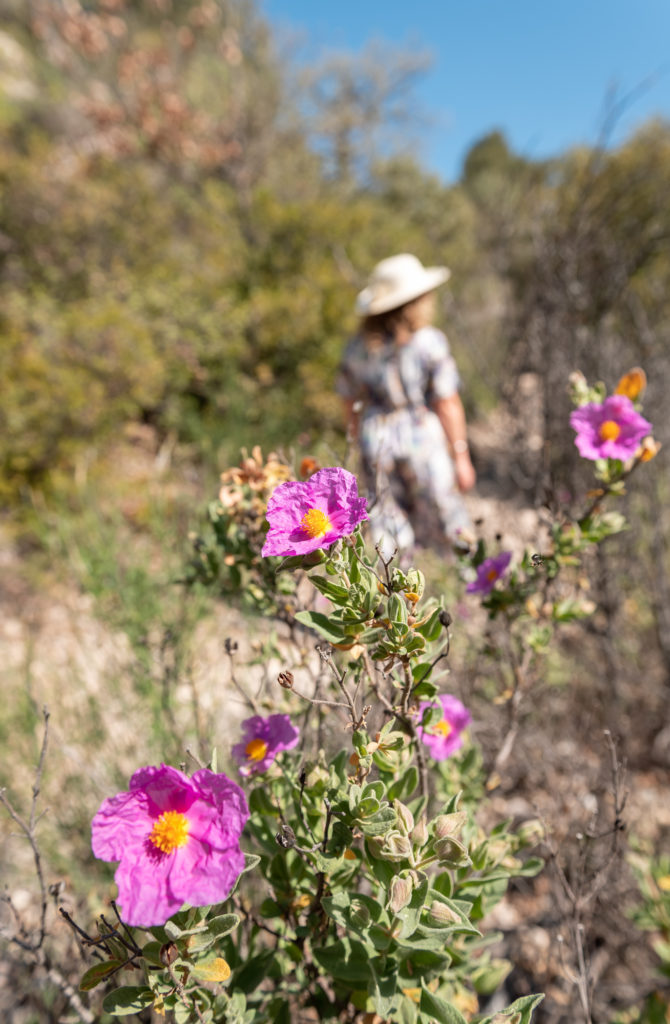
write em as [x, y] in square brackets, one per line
[406, 463]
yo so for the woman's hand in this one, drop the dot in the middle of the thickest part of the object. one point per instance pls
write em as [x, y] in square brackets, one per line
[466, 477]
[452, 417]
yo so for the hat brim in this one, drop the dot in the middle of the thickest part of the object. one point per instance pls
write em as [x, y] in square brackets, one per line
[432, 277]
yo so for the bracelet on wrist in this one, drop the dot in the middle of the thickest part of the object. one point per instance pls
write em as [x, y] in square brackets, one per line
[460, 447]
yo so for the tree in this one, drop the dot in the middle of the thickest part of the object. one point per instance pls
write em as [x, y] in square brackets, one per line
[356, 104]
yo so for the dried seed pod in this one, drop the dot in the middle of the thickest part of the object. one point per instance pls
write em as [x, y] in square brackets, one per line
[285, 679]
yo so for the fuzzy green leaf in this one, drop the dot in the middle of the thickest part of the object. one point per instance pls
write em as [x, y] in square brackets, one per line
[97, 973]
[440, 1011]
[129, 999]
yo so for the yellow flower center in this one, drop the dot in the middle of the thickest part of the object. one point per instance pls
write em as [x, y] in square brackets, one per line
[492, 575]
[441, 728]
[256, 750]
[315, 523]
[170, 831]
[609, 431]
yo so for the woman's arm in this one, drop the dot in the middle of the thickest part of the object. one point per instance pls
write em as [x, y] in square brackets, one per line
[352, 416]
[451, 415]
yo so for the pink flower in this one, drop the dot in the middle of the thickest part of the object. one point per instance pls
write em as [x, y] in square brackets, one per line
[443, 738]
[177, 840]
[263, 739]
[612, 430]
[488, 572]
[311, 514]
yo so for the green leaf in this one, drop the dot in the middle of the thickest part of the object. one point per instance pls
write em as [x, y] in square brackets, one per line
[431, 629]
[403, 787]
[129, 999]
[411, 914]
[182, 1014]
[320, 622]
[376, 789]
[441, 1011]
[250, 862]
[378, 824]
[249, 976]
[152, 952]
[97, 973]
[333, 591]
[407, 1011]
[523, 1007]
[383, 991]
[347, 959]
[488, 977]
[223, 924]
[570, 609]
[427, 940]
[281, 1012]
[397, 610]
[444, 883]
[425, 688]
[173, 931]
[354, 566]
[291, 562]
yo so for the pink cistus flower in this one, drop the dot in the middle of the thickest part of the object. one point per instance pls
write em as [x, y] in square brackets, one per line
[310, 514]
[612, 430]
[443, 738]
[488, 572]
[177, 840]
[262, 740]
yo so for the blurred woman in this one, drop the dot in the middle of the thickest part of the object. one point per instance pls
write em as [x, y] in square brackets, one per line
[400, 386]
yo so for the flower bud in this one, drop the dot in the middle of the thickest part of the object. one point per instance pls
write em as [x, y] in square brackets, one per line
[449, 824]
[285, 679]
[632, 384]
[405, 817]
[531, 832]
[416, 583]
[648, 450]
[578, 388]
[400, 893]
[168, 953]
[419, 834]
[396, 847]
[308, 465]
[285, 837]
[451, 852]
[441, 914]
[360, 915]
[445, 618]
[497, 850]
[316, 776]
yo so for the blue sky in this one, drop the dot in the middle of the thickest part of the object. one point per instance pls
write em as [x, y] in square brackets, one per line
[539, 70]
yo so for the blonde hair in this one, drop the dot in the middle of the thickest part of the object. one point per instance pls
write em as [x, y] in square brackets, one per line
[393, 322]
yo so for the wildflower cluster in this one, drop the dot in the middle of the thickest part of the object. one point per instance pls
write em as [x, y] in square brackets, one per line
[227, 554]
[357, 794]
[530, 596]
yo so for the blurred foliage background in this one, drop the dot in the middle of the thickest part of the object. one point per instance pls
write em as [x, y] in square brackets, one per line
[185, 220]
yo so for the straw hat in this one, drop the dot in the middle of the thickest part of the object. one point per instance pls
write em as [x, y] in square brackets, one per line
[398, 280]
